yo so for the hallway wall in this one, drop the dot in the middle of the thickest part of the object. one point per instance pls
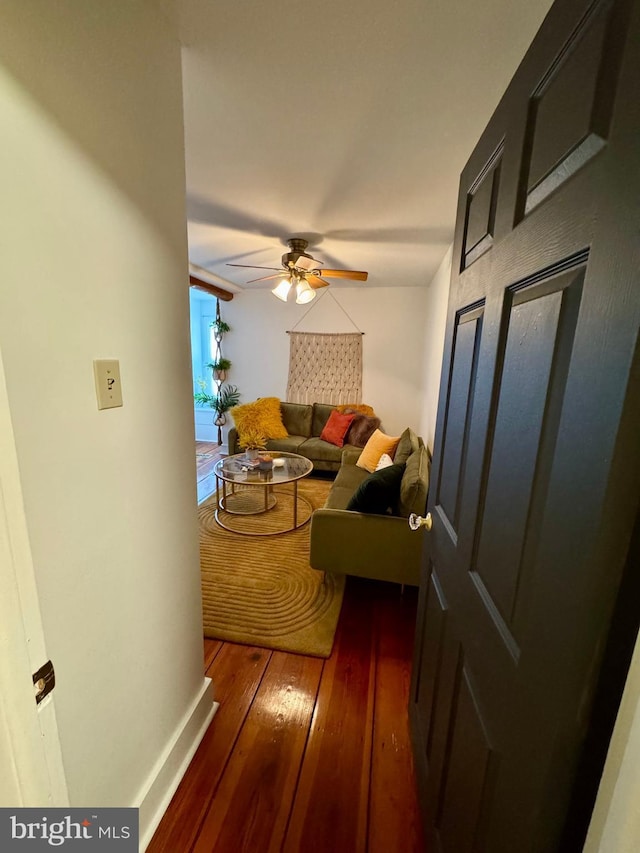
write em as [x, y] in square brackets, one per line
[94, 265]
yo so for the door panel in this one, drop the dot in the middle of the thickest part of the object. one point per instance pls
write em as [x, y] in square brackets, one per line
[481, 210]
[536, 467]
[467, 341]
[570, 109]
[428, 679]
[468, 762]
[531, 337]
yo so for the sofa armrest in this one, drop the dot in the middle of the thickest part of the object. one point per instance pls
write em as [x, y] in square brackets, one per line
[232, 442]
[382, 547]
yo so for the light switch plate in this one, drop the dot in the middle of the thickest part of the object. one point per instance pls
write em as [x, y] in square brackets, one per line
[108, 388]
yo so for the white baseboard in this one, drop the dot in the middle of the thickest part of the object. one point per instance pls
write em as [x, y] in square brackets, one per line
[206, 432]
[165, 777]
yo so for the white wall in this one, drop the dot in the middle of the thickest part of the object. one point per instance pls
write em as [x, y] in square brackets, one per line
[434, 330]
[615, 825]
[392, 319]
[94, 265]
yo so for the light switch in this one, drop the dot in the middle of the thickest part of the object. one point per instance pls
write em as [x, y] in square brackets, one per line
[108, 388]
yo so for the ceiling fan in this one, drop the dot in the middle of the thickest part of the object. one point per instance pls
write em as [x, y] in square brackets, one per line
[301, 271]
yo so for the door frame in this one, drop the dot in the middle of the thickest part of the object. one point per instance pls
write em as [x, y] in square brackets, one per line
[28, 732]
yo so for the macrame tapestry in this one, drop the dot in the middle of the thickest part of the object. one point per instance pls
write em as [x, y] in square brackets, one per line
[325, 368]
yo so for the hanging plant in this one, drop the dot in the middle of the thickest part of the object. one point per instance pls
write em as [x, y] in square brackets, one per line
[225, 399]
[220, 367]
[220, 328]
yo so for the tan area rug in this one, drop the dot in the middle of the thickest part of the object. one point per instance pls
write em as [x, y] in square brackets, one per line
[260, 590]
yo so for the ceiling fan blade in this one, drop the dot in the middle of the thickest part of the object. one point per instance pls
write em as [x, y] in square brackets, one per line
[316, 282]
[357, 275]
[250, 267]
[280, 274]
[308, 264]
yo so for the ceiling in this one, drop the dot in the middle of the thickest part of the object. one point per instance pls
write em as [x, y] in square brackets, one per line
[343, 121]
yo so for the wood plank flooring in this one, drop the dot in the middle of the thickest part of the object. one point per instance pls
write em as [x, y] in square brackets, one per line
[307, 754]
[207, 454]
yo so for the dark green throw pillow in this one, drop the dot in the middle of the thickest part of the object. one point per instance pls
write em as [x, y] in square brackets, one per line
[379, 492]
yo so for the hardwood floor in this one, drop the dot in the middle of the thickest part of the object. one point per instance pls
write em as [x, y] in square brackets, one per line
[307, 754]
[207, 454]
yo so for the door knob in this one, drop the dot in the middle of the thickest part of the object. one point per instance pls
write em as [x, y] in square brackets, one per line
[417, 521]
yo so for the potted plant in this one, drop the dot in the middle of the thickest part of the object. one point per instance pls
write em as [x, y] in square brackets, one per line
[225, 399]
[220, 328]
[253, 441]
[219, 368]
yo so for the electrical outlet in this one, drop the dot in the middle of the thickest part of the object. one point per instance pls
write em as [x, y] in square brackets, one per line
[108, 388]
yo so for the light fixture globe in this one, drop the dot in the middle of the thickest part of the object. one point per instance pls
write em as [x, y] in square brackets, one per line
[304, 292]
[282, 289]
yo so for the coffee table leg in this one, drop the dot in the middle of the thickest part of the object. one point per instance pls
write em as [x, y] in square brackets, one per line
[295, 504]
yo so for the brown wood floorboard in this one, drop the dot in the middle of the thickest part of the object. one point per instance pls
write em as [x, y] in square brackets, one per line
[253, 800]
[394, 823]
[337, 761]
[207, 454]
[207, 448]
[236, 673]
[211, 649]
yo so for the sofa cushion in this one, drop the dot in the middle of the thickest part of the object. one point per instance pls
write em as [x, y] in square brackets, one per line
[408, 444]
[339, 497]
[378, 444]
[296, 418]
[345, 484]
[321, 412]
[336, 428]
[379, 492]
[320, 451]
[258, 421]
[290, 444]
[415, 484]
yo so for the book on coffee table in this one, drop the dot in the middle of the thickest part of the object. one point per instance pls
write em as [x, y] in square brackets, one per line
[251, 463]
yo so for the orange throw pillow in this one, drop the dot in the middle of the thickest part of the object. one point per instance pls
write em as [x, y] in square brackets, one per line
[378, 444]
[336, 428]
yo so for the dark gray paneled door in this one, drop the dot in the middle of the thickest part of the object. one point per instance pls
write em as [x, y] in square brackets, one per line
[535, 478]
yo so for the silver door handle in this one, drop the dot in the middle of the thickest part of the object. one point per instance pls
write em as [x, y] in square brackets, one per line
[417, 521]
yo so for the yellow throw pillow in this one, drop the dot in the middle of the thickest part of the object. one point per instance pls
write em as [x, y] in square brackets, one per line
[378, 444]
[256, 422]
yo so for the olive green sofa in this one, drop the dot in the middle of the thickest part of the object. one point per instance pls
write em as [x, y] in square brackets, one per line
[304, 423]
[381, 547]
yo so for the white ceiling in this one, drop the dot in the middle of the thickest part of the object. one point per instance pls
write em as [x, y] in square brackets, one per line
[343, 121]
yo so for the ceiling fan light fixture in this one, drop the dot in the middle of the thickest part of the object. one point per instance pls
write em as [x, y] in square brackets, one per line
[282, 289]
[304, 292]
[302, 271]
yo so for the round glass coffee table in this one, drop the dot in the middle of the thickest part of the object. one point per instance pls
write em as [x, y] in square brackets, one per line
[246, 488]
